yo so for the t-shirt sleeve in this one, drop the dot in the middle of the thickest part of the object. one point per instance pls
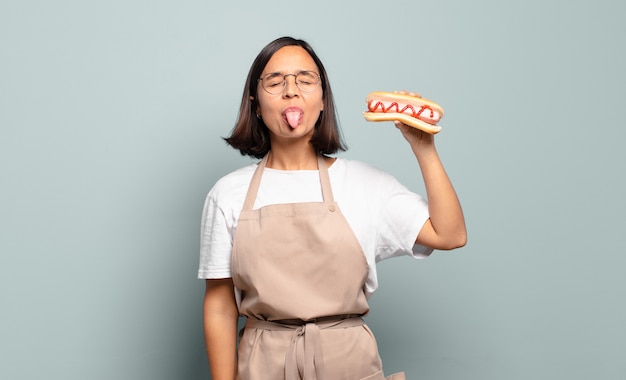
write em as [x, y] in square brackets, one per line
[403, 214]
[215, 242]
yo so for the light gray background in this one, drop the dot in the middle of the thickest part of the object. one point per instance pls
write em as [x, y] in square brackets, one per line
[111, 114]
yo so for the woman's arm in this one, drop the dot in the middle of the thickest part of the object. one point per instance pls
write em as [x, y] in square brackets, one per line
[446, 227]
[220, 328]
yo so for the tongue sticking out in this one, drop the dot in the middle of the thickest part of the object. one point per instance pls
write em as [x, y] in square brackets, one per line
[293, 118]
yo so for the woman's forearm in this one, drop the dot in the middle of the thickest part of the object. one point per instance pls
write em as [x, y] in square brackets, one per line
[446, 214]
[220, 328]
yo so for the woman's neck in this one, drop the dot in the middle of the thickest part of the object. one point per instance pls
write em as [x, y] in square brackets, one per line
[292, 158]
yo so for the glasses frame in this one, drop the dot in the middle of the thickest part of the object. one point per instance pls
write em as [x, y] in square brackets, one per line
[295, 77]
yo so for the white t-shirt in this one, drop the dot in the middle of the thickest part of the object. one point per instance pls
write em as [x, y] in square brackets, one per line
[385, 216]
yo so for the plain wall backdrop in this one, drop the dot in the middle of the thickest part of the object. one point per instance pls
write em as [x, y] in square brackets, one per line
[111, 118]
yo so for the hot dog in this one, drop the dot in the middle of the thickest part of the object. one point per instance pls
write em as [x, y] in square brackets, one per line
[417, 112]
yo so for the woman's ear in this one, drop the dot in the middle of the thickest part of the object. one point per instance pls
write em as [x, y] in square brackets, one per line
[257, 110]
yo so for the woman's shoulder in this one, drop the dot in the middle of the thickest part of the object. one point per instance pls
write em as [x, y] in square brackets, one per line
[358, 168]
[233, 184]
[359, 176]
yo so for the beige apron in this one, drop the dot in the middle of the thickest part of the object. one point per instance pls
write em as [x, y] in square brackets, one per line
[301, 272]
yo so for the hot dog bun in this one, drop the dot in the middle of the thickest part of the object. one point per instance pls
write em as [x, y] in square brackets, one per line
[411, 110]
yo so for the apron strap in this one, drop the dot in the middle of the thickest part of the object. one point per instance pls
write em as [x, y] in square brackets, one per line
[327, 191]
[255, 182]
[254, 185]
[313, 366]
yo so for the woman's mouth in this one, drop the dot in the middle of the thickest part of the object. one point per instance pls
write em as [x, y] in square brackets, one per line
[293, 116]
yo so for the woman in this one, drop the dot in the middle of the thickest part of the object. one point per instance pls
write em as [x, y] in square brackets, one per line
[298, 235]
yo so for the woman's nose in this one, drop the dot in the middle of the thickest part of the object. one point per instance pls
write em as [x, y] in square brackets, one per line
[291, 89]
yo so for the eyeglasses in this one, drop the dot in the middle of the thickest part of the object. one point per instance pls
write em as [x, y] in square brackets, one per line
[275, 83]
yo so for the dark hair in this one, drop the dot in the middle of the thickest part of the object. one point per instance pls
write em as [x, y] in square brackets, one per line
[251, 136]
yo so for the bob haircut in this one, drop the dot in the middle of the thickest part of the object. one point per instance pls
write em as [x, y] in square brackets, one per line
[251, 136]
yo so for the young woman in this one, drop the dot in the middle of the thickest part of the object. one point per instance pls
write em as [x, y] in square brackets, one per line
[291, 243]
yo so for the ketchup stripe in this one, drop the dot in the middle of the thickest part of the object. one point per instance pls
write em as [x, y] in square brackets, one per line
[395, 105]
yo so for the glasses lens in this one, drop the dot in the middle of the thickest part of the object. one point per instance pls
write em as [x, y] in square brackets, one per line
[307, 81]
[273, 83]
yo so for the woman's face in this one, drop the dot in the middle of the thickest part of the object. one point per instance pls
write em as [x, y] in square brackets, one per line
[290, 114]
